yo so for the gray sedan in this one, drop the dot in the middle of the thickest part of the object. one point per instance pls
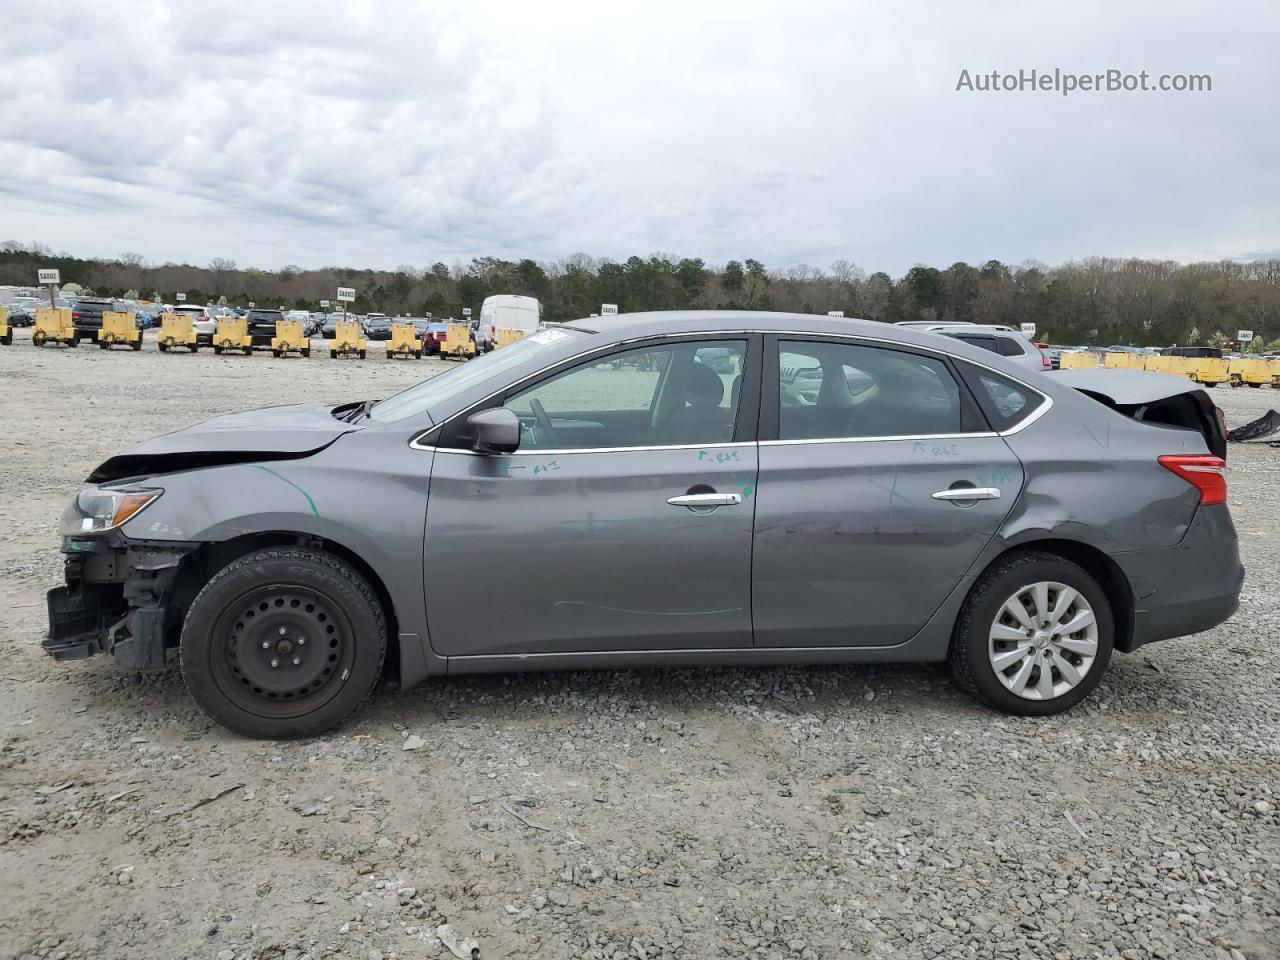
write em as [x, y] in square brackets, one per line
[676, 489]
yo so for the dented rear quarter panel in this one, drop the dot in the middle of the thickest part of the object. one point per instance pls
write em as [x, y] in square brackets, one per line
[1092, 476]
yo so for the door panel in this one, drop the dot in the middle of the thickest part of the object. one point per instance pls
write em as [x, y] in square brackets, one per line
[851, 548]
[580, 551]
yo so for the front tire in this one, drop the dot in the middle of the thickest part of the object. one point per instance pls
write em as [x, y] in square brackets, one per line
[1034, 635]
[285, 642]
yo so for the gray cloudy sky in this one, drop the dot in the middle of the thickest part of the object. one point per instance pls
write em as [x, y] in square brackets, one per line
[376, 134]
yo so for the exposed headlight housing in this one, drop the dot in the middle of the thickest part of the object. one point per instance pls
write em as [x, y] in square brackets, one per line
[98, 509]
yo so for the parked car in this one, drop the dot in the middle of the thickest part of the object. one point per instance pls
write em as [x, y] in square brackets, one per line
[434, 335]
[1005, 341]
[86, 316]
[378, 328]
[593, 496]
[1212, 352]
[21, 315]
[203, 321]
[262, 326]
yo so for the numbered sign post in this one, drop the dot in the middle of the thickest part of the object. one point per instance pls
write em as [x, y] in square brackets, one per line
[1028, 329]
[324, 304]
[180, 297]
[1244, 336]
[835, 313]
[608, 309]
[50, 279]
[346, 295]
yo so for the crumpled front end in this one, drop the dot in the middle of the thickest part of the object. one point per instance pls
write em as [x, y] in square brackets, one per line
[114, 601]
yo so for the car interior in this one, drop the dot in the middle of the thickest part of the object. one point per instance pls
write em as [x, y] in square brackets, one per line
[676, 394]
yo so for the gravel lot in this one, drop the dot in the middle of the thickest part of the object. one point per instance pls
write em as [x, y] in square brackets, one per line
[763, 813]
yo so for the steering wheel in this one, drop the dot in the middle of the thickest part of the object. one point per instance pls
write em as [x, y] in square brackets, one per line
[544, 422]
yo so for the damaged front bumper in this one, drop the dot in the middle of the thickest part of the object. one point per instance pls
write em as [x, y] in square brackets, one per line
[116, 601]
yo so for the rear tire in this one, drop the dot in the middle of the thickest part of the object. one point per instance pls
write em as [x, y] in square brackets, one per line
[993, 656]
[325, 639]
[217, 349]
[137, 344]
[361, 354]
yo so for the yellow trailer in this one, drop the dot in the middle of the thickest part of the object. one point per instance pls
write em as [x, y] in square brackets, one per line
[1273, 367]
[232, 334]
[1077, 361]
[458, 344]
[53, 325]
[6, 332]
[1207, 371]
[404, 341]
[119, 328]
[290, 338]
[1253, 371]
[506, 336]
[176, 330]
[1117, 360]
[347, 340]
[1158, 363]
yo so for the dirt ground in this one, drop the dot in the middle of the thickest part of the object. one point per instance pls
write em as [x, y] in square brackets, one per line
[749, 813]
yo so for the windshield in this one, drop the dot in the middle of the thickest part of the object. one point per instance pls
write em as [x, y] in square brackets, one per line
[430, 393]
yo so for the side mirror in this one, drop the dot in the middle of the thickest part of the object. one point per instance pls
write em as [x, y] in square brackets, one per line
[495, 431]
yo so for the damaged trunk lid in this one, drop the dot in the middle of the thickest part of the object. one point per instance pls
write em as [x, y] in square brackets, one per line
[1156, 398]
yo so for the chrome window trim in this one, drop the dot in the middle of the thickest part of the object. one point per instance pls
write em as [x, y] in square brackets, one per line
[566, 451]
[988, 434]
[1019, 426]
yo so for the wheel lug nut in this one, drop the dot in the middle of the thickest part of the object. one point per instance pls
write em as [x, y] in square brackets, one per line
[296, 661]
[265, 645]
[282, 631]
[302, 641]
[275, 663]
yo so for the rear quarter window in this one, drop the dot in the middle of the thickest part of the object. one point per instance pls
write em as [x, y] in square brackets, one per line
[1005, 402]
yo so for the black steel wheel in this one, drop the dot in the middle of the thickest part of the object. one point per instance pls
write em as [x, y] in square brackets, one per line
[285, 642]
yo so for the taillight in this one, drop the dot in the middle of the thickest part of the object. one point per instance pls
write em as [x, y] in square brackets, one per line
[1205, 472]
[75, 315]
[1045, 361]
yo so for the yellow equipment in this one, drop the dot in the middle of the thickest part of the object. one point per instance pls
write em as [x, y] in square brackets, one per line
[1116, 360]
[233, 334]
[1207, 371]
[404, 341]
[457, 342]
[1159, 363]
[289, 336]
[347, 340]
[119, 327]
[53, 325]
[1273, 366]
[1077, 361]
[6, 333]
[1254, 371]
[176, 330]
[507, 336]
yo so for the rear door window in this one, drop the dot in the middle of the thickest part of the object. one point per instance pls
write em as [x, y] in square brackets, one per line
[841, 391]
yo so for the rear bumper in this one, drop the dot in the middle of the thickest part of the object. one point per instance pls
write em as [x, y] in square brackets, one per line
[1185, 589]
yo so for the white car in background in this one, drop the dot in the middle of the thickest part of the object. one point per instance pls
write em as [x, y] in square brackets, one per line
[506, 312]
[204, 321]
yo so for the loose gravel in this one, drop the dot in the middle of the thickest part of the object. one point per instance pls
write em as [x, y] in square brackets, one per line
[745, 813]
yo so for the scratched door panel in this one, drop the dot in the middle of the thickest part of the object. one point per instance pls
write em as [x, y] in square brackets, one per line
[580, 551]
[850, 547]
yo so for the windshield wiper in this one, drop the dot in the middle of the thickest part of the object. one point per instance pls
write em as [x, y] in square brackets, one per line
[360, 412]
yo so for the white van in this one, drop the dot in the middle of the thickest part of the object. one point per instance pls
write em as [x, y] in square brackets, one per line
[506, 312]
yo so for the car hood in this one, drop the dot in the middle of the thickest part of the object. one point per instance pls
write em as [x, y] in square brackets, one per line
[272, 433]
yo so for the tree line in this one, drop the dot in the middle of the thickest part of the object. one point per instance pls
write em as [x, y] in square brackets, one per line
[1096, 301]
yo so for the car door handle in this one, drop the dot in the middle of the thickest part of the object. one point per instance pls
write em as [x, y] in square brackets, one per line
[705, 500]
[968, 493]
